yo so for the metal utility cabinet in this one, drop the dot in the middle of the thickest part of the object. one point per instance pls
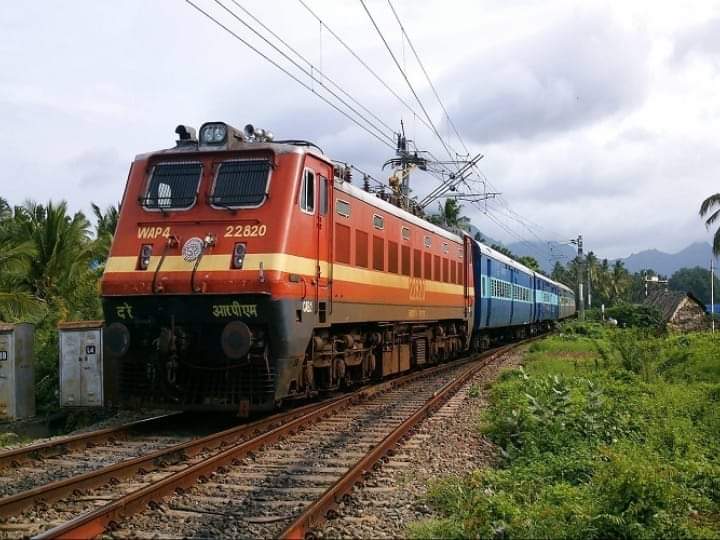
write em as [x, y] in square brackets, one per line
[17, 382]
[81, 364]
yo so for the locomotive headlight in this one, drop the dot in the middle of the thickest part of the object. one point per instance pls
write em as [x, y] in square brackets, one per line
[214, 133]
[239, 255]
[145, 254]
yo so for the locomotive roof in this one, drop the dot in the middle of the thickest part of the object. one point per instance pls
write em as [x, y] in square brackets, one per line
[376, 201]
[275, 147]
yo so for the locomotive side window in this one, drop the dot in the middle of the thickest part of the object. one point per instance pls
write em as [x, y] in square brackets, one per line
[172, 185]
[378, 222]
[323, 195]
[307, 193]
[342, 208]
[241, 183]
[406, 233]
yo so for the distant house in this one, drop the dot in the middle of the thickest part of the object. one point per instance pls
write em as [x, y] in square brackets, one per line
[682, 312]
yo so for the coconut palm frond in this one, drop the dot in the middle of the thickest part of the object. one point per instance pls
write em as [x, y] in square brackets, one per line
[16, 306]
[707, 204]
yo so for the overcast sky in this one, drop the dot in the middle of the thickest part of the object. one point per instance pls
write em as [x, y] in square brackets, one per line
[598, 118]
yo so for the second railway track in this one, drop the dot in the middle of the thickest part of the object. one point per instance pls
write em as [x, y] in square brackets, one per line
[275, 477]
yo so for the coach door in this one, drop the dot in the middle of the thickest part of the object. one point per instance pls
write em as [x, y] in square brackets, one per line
[323, 243]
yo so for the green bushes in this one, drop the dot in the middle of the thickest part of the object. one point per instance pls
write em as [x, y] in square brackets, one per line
[614, 436]
[636, 315]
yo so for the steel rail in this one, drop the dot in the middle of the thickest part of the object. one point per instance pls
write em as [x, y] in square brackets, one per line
[53, 491]
[24, 454]
[314, 515]
[96, 522]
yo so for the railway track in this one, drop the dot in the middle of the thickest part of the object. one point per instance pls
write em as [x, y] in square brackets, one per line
[29, 466]
[275, 477]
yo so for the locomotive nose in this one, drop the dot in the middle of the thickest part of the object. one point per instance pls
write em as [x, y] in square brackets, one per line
[236, 340]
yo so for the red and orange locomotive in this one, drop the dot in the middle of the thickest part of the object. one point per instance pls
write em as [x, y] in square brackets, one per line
[246, 272]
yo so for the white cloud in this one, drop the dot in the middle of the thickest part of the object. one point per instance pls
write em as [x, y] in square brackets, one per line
[598, 119]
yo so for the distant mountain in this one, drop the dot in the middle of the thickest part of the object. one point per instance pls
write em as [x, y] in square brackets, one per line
[697, 254]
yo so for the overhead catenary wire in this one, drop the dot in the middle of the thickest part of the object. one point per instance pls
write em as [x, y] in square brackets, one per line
[381, 138]
[305, 71]
[362, 62]
[315, 69]
[427, 77]
[407, 81]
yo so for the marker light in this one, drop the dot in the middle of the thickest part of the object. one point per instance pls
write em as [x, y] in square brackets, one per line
[213, 133]
[145, 254]
[239, 255]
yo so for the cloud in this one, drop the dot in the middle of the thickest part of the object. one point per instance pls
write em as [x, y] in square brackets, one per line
[701, 39]
[574, 72]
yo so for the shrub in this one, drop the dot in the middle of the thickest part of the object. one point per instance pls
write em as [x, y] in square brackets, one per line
[636, 315]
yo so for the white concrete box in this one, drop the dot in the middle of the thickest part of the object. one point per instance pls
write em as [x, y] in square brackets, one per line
[81, 364]
[17, 379]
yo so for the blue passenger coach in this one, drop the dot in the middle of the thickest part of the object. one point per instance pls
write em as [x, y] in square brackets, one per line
[511, 299]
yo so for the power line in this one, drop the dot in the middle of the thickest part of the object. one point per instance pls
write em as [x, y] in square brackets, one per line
[407, 80]
[305, 71]
[427, 76]
[304, 59]
[381, 139]
[365, 65]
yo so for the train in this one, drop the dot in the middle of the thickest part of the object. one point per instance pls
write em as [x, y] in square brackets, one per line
[247, 273]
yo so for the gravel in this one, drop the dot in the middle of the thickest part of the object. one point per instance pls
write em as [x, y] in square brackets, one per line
[448, 443]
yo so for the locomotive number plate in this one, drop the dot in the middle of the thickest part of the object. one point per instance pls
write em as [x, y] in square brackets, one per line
[245, 231]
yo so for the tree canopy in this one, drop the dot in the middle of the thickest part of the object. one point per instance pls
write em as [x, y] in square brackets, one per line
[696, 281]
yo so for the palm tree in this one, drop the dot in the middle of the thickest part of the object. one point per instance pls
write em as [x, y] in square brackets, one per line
[104, 230]
[60, 271]
[16, 253]
[449, 215]
[709, 204]
[620, 281]
[530, 262]
[5, 210]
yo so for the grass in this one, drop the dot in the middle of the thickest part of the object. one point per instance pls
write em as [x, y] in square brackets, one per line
[605, 433]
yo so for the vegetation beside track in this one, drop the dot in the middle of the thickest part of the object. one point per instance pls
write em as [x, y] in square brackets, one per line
[604, 433]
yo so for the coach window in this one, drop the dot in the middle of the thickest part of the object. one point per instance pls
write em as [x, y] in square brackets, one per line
[307, 195]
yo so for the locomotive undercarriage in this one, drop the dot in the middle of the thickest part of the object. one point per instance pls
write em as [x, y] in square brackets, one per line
[347, 355]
